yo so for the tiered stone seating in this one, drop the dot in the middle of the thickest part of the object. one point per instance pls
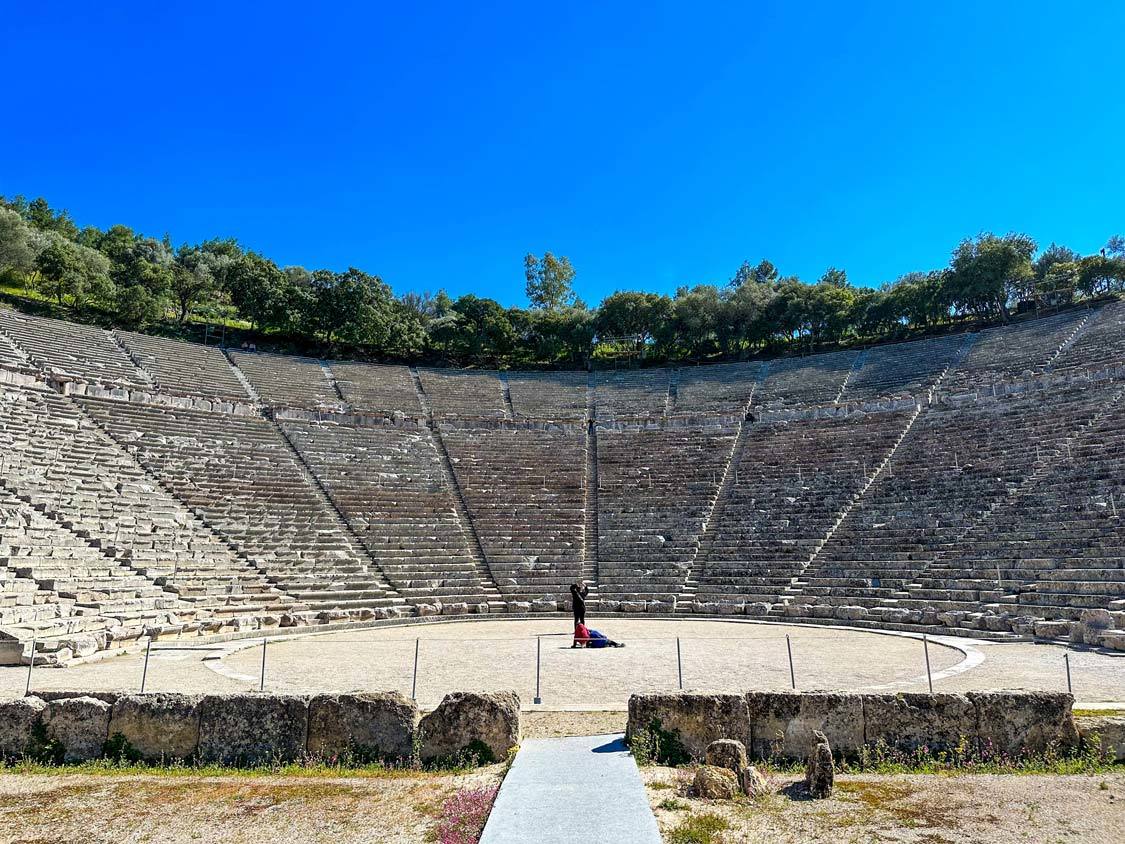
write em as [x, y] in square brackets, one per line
[30, 545]
[288, 381]
[902, 369]
[792, 482]
[58, 462]
[954, 464]
[468, 393]
[11, 355]
[1100, 344]
[388, 484]
[525, 491]
[655, 488]
[239, 474]
[548, 395]
[1055, 548]
[67, 348]
[798, 382]
[1012, 352]
[631, 392]
[187, 369]
[372, 388]
[721, 388]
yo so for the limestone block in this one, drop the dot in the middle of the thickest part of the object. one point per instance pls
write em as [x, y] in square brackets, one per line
[544, 605]
[662, 607]
[372, 726]
[1094, 622]
[820, 770]
[247, 729]
[1112, 639]
[429, 609]
[455, 609]
[694, 719]
[712, 783]
[1019, 723]
[758, 609]
[782, 723]
[1052, 629]
[632, 606]
[158, 726]
[753, 783]
[80, 725]
[17, 719]
[467, 722]
[1108, 731]
[906, 722]
[109, 697]
[729, 754]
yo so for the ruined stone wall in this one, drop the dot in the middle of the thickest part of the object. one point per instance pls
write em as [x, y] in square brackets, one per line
[254, 729]
[780, 725]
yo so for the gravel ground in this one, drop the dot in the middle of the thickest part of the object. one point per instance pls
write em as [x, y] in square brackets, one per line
[490, 655]
[144, 809]
[967, 809]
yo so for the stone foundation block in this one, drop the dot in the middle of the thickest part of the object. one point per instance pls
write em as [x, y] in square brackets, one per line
[487, 724]
[249, 729]
[782, 723]
[375, 726]
[158, 726]
[694, 719]
[80, 725]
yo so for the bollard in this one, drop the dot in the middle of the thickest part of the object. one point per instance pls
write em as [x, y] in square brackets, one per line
[926, 648]
[679, 664]
[538, 649]
[414, 682]
[792, 673]
[144, 671]
[1069, 688]
[30, 665]
[262, 687]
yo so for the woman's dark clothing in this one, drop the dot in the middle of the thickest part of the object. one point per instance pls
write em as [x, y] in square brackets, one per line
[578, 602]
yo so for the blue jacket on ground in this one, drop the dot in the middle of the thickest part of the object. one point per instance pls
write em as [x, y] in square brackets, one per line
[597, 640]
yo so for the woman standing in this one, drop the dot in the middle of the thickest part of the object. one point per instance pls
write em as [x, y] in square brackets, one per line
[578, 592]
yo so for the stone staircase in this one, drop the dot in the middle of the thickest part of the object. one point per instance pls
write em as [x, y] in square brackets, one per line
[487, 581]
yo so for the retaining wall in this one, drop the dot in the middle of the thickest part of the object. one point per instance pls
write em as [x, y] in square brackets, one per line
[779, 725]
[250, 729]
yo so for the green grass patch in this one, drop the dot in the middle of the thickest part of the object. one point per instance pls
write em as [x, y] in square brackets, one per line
[1096, 713]
[698, 829]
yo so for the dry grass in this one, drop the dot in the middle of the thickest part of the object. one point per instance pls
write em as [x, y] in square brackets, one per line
[89, 809]
[914, 809]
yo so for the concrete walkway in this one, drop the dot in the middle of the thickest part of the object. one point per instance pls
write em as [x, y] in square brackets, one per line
[583, 790]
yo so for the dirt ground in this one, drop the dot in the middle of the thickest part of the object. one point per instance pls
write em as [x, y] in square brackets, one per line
[146, 809]
[965, 809]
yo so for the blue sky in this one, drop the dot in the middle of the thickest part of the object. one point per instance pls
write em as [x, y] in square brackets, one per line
[654, 144]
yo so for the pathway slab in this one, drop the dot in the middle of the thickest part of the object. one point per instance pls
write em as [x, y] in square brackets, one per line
[580, 789]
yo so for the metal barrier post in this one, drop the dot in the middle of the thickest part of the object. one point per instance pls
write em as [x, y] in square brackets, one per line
[262, 687]
[792, 673]
[1066, 659]
[414, 682]
[538, 649]
[144, 672]
[679, 664]
[30, 665]
[926, 648]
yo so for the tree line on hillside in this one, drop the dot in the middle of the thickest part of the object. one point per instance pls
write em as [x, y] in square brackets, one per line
[129, 279]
